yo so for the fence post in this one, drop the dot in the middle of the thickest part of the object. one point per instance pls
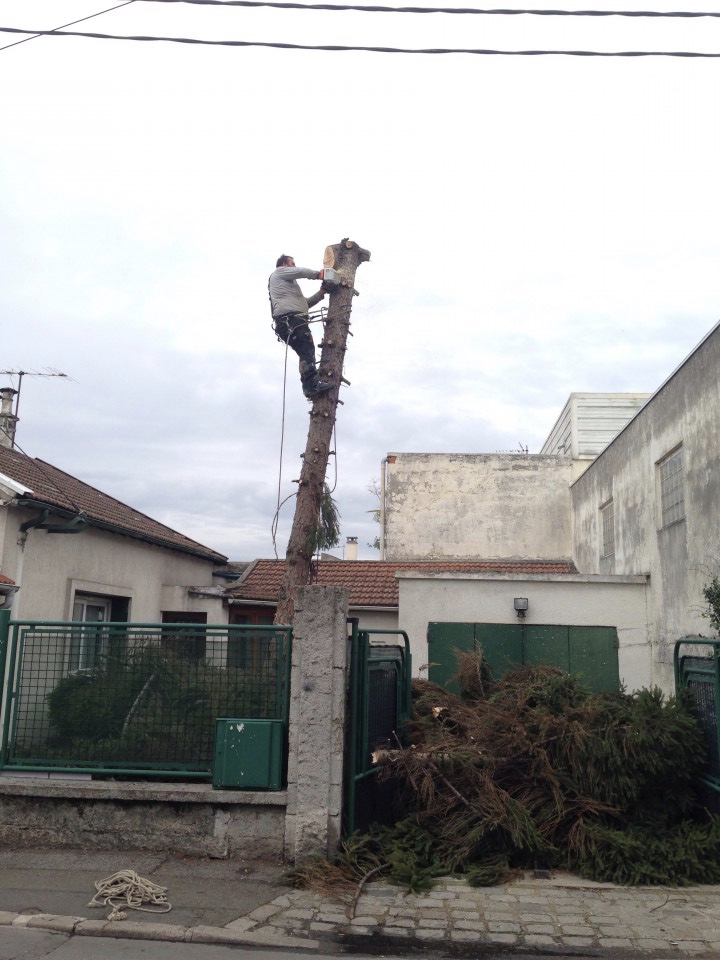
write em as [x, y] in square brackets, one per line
[4, 685]
[317, 723]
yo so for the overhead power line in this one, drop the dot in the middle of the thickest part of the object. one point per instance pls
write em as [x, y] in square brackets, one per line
[503, 12]
[499, 12]
[71, 24]
[346, 48]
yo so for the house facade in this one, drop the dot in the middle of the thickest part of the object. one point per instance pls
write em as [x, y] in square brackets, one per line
[74, 553]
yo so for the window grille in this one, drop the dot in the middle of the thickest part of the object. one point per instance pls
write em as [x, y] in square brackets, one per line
[672, 489]
[607, 515]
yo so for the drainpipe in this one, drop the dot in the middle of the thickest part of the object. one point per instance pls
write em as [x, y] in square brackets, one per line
[382, 506]
[19, 564]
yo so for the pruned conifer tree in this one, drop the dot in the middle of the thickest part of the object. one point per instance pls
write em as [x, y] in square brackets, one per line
[344, 258]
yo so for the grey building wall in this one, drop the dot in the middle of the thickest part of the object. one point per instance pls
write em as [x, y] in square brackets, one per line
[475, 506]
[683, 415]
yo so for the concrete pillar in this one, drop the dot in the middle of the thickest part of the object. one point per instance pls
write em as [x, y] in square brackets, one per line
[317, 723]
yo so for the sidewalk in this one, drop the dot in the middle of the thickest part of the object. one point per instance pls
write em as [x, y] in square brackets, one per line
[236, 902]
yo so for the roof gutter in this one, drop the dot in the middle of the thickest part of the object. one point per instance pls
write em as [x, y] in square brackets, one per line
[78, 521]
[273, 603]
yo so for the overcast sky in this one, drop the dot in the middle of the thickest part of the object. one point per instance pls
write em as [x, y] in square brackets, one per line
[538, 225]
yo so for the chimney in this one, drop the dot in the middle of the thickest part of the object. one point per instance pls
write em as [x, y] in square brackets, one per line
[351, 548]
[8, 420]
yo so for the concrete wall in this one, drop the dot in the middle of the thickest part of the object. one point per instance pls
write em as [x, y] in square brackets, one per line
[470, 506]
[567, 600]
[183, 819]
[680, 558]
[51, 568]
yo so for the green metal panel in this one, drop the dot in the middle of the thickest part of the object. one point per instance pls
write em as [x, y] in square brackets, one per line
[697, 667]
[589, 651]
[380, 703]
[501, 644]
[443, 640]
[248, 754]
[545, 643]
[594, 655]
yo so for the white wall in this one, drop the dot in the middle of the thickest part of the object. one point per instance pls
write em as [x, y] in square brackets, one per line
[376, 619]
[681, 558]
[51, 568]
[475, 506]
[570, 600]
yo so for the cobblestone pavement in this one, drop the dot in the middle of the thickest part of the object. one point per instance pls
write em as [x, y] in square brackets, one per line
[238, 903]
[542, 915]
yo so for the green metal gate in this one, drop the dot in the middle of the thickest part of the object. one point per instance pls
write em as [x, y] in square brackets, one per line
[697, 667]
[589, 651]
[379, 706]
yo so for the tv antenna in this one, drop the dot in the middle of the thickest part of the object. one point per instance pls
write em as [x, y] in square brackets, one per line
[48, 372]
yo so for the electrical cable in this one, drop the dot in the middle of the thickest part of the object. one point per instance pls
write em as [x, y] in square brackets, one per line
[276, 518]
[72, 23]
[38, 465]
[341, 48]
[451, 10]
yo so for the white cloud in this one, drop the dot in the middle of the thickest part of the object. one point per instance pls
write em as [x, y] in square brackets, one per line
[537, 226]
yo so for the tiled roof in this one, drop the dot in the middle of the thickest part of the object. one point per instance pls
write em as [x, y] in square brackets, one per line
[372, 583]
[4, 579]
[53, 487]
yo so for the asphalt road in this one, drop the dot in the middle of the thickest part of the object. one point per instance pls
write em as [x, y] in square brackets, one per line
[28, 944]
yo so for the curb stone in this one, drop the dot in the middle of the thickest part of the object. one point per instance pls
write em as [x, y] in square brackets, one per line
[129, 930]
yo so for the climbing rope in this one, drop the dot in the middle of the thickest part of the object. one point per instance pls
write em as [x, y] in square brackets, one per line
[276, 518]
[126, 889]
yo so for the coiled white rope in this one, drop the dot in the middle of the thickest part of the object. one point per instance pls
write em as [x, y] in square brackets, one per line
[126, 889]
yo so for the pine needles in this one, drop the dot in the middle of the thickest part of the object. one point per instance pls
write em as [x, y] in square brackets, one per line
[534, 770]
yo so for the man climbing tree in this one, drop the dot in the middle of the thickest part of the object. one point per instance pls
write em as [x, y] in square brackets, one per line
[340, 265]
[290, 318]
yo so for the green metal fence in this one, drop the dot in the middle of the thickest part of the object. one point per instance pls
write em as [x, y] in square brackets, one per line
[697, 666]
[380, 706]
[133, 698]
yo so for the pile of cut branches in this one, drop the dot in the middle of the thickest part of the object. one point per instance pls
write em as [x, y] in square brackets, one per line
[534, 770]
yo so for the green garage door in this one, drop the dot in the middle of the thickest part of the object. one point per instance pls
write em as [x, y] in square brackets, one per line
[588, 651]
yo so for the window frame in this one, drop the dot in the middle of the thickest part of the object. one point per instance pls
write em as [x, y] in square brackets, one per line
[671, 506]
[90, 642]
[607, 510]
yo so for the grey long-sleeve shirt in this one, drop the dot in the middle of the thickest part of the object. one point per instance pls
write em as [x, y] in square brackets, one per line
[285, 293]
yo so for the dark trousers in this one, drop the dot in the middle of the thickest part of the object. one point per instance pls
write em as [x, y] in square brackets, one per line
[293, 329]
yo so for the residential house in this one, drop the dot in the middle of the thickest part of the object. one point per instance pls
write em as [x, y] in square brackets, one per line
[75, 553]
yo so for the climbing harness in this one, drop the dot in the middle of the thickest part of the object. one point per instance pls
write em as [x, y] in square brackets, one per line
[126, 889]
[317, 317]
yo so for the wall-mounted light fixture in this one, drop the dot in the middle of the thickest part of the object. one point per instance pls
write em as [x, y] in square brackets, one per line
[521, 605]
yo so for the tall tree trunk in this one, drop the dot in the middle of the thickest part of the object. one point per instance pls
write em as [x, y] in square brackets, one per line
[344, 257]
